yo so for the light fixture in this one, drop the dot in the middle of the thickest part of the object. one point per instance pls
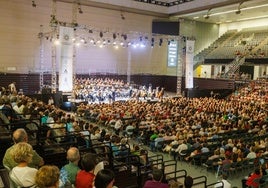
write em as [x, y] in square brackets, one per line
[239, 6]
[122, 15]
[33, 4]
[160, 42]
[241, 9]
[124, 36]
[207, 15]
[152, 42]
[238, 11]
[80, 9]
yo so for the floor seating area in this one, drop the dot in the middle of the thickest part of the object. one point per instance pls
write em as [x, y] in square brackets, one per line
[51, 140]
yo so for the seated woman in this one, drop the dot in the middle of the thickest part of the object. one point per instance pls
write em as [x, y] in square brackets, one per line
[47, 177]
[251, 180]
[22, 175]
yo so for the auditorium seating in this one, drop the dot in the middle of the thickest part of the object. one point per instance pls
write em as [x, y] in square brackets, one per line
[251, 43]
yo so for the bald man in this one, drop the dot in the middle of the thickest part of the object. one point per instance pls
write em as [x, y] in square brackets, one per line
[71, 169]
[20, 135]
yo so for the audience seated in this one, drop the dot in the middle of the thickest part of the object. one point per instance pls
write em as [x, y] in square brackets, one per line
[238, 124]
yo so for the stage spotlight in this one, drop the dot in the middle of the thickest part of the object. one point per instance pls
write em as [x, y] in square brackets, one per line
[207, 15]
[238, 11]
[80, 9]
[152, 42]
[122, 16]
[160, 42]
[239, 8]
[33, 4]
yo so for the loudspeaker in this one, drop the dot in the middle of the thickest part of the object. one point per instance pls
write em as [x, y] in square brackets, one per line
[58, 99]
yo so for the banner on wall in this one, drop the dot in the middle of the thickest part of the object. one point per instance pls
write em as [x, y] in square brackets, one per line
[65, 58]
[189, 64]
[173, 54]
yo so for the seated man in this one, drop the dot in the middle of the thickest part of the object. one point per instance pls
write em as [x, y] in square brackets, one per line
[71, 169]
[20, 135]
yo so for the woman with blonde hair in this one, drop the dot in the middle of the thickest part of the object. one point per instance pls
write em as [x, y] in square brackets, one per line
[22, 175]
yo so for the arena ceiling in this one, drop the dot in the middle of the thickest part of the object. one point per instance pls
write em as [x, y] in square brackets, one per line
[212, 11]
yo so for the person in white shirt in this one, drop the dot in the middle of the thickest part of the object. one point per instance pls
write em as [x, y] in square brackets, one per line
[117, 126]
[23, 175]
[226, 184]
[50, 101]
[251, 154]
[182, 147]
[12, 87]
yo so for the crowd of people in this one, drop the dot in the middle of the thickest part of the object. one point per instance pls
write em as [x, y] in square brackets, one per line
[27, 168]
[184, 122]
[105, 89]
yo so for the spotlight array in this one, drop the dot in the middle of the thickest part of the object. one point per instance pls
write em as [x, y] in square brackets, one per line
[33, 4]
[88, 36]
[80, 9]
[164, 3]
